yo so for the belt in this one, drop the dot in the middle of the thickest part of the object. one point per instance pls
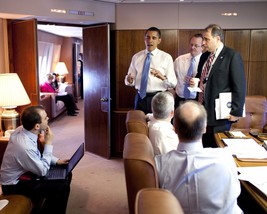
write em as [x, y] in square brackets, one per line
[151, 94]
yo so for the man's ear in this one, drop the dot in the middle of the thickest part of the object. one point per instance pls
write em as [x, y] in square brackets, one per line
[159, 41]
[204, 128]
[37, 126]
[172, 114]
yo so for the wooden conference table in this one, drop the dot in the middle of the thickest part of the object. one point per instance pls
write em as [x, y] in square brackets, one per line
[259, 197]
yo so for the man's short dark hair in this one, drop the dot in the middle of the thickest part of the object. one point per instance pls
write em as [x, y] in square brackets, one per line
[190, 130]
[31, 116]
[154, 29]
[215, 30]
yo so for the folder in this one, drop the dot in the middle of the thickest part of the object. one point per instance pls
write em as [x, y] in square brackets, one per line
[223, 106]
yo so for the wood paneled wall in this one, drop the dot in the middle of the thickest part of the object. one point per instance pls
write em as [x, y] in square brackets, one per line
[252, 44]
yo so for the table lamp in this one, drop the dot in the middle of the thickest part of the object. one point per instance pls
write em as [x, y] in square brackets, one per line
[61, 70]
[12, 94]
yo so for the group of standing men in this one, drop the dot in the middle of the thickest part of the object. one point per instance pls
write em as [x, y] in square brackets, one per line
[204, 180]
[216, 68]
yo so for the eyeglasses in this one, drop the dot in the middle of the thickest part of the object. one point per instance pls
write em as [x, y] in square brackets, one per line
[196, 46]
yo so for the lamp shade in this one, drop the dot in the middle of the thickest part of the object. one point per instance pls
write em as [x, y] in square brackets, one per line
[12, 92]
[61, 68]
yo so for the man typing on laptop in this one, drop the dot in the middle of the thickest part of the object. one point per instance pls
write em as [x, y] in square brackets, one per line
[23, 157]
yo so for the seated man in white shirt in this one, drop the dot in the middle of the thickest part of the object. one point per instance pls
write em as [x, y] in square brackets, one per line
[204, 180]
[161, 131]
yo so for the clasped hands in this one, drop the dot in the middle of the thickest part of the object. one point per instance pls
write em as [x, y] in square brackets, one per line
[153, 71]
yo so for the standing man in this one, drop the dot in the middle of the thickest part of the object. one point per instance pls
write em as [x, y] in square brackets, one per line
[204, 180]
[151, 71]
[220, 70]
[24, 164]
[185, 67]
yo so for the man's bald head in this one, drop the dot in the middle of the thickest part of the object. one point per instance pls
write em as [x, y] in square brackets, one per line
[190, 121]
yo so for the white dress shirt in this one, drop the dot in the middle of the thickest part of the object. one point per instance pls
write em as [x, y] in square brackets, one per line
[203, 180]
[160, 61]
[181, 66]
[162, 136]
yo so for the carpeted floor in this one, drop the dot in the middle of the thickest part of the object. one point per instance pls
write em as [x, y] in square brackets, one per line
[98, 185]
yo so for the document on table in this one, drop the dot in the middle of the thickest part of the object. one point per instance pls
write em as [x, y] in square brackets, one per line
[255, 175]
[3, 203]
[223, 106]
[245, 148]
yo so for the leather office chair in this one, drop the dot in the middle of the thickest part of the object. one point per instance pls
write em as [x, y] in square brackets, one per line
[136, 122]
[157, 201]
[139, 166]
[256, 113]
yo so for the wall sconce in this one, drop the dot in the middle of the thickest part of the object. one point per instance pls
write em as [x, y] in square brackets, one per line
[12, 94]
[61, 70]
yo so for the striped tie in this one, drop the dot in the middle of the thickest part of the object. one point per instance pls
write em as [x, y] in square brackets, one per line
[203, 77]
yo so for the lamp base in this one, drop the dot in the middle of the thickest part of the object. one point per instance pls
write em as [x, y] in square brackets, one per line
[10, 119]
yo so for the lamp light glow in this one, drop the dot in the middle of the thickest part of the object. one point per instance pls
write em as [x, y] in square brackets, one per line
[12, 94]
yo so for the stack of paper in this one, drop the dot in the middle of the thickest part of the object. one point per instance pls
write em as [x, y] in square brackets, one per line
[246, 148]
[255, 175]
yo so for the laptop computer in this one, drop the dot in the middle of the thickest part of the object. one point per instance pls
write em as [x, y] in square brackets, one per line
[60, 172]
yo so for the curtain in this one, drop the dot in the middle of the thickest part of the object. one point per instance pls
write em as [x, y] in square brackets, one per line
[48, 56]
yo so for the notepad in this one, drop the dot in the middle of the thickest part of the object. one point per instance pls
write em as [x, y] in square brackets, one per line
[245, 148]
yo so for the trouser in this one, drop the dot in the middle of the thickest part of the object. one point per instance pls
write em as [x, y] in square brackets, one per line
[68, 101]
[55, 193]
[145, 103]
[208, 139]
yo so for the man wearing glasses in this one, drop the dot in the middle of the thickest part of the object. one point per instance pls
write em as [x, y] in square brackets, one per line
[185, 67]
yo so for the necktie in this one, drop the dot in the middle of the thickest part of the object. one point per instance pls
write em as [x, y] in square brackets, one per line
[144, 79]
[204, 74]
[190, 74]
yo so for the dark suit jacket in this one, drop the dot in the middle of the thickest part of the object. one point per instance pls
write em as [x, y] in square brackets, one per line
[227, 75]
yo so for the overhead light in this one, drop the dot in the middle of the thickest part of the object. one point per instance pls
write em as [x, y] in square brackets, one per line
[58, 11]
[229, 14]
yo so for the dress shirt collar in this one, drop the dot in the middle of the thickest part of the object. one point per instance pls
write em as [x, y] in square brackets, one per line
[31, 135]
[192, 146]
[218, 51]
[154, 52]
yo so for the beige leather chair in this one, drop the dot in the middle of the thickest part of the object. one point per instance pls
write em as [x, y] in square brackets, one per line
[136, 122]
[156, 201]
[256, 113]
[139, 166]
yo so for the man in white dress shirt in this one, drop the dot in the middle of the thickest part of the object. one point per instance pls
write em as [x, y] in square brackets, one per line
[161, 74]
[204, 180]
[161, 131]
[182, 65]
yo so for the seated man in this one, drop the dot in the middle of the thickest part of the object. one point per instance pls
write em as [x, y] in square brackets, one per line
[23, 157]
[204, 180]
[161, 131]
[68, 99]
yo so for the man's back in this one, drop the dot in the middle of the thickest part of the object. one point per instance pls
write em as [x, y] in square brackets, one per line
[162, 136]
[203, 180]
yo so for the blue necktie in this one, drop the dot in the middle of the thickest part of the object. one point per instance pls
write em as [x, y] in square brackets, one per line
[144, 79]
[189, 73]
